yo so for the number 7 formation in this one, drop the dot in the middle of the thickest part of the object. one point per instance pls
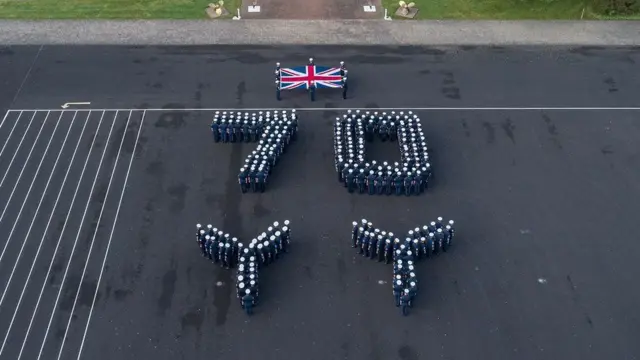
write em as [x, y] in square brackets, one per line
[274, 131]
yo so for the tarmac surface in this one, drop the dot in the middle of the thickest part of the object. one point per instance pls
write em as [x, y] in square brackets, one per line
[546, 200]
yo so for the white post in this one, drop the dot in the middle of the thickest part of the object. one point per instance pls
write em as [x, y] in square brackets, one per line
[386, 15]
[237, 17]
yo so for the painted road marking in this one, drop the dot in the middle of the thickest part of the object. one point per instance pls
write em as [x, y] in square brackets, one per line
[11, 133]
[26, 197]
[75, 243]
[19, 145]
[66, 105]
[33, 220]
[492, 108]
[24, 166]
[104, 261]
[55, 252]
[88, 112]
[95, 233]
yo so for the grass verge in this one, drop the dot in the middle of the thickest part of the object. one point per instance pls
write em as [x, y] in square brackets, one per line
[108, 9]
[194, 9]
[504, 9]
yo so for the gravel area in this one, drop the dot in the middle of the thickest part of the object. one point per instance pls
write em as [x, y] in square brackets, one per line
[322, 32]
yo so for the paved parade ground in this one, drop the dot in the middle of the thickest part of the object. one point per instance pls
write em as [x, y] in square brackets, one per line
[535, 156]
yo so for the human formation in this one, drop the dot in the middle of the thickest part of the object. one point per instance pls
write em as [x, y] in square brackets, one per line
[218, 246]
[272, 130]
[227, 251]
[353, 130]
[419, 243]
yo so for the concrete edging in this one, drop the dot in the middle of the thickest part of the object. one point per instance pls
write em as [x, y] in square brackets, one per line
[320, 32]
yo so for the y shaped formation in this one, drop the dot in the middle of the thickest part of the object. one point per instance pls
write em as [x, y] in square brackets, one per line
[228, 252]
[420, 243]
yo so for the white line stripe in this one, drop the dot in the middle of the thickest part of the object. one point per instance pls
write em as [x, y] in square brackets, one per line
[413, 108]
[24, 166]
[11, 133]
[44, 233]
[33, 220]
[26, 197]
[4, 118]
[104, 261]
[93, 239]
[404, 108]
[73, 249]
[19, 145]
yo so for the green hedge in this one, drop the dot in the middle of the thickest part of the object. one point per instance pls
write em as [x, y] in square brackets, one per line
[617, 7]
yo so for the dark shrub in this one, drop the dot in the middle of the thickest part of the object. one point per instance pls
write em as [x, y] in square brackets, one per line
[617, 7]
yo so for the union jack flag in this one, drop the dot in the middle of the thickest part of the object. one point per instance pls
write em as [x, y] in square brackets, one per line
[302, 76]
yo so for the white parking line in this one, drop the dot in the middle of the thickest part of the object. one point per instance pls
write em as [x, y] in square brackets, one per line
[93, 239]
[19, 145]
[4, 118]
[407, 108]
[27, 237]
[415, 108]
[44, 233]
[75, 243]
[15, 123]
[106, 253]
[26, 197]
[24, 166]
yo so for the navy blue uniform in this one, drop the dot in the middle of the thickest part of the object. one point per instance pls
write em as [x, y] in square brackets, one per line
[245, 133]
[440, 240]
[388, 252]
[247, 303]
[384, 131]
[393, 131]
[361, 180]
[208, 247]
[340, 169]
[398, 181]
[242, 181]
[224, 134]
[408, 185]
[373, 245]
[350, 182]
[397, 293]
[253, 132]
[260, 181]
[371, 179]
[380, 249]
[368, 132]
[380, 183]
[421, 181]
[203, 247]
[345, 172]
[364, 246]
[214, 132]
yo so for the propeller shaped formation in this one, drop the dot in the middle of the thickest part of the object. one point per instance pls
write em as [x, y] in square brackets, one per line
[419, 243]
[229, 252]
